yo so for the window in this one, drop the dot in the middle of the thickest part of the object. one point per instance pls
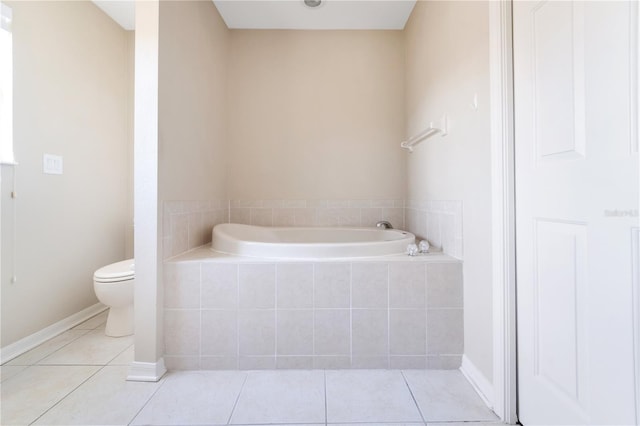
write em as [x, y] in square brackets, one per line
[6, 86]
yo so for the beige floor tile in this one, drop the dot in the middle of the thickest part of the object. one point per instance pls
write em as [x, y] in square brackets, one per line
[194, 397]
[94, 348]
[445, 395]
[107, 398]
[369, 396]
[58, 392]
[382, 424]
[464, 424]
[281, 397]
[7, 371]
[26, 396]
[294, 424]
[125, 357]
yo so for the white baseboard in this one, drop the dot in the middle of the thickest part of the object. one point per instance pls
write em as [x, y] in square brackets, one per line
[27, 343]
[146, 371]
[482, 386]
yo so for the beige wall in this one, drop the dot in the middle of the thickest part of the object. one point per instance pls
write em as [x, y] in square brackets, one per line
[192, 101]
[447, 51]
[243, 115]
[72, 73]
[316, 115]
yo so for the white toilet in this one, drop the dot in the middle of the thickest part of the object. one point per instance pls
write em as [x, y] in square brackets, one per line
[113, 285]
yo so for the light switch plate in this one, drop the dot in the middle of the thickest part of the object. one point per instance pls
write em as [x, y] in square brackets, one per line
[52, 164]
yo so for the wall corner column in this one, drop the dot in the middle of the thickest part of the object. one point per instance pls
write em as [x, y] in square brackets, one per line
[148, 362]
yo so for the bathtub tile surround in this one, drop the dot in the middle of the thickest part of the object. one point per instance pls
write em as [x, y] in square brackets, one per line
[332, 285]
[256, 333]
[252, 314]
[437, 221]
[268, 315]
[187, 224]
[317, 212]
[295, 286]
[257, 286]
[332, 333]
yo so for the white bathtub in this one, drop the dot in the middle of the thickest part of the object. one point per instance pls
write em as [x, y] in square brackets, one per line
[308, 243]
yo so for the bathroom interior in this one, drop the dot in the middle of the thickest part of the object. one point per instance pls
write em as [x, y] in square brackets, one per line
[291, 126]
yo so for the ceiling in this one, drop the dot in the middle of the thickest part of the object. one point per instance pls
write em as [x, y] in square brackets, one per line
[123, 12]
[330, 15]
[291, 14]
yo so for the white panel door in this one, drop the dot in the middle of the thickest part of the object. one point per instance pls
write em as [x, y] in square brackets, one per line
[576, 210]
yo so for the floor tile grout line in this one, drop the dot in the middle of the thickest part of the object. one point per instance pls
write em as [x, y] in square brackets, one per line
[75, 365]
[235, 404]
[413, 397]
[4, 380]
[86, 331]
[378, 423]
[105, 311]
[117, 355]
[336, 423]
[162, 381]
[326, 422]
[68, 393]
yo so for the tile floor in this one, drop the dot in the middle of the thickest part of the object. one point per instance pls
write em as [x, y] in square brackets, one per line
[78, 378]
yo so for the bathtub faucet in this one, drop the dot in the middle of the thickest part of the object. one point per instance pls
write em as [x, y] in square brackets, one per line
[384, 225]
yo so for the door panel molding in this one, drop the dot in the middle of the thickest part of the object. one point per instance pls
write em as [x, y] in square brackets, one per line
[558, 80]
[560, 257]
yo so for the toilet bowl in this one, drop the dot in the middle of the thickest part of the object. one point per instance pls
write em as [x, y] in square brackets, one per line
[113, 285]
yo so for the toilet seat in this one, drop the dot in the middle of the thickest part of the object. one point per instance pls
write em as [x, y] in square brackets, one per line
[115, 272]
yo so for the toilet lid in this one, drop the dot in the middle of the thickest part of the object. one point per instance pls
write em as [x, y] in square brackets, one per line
[119, 271]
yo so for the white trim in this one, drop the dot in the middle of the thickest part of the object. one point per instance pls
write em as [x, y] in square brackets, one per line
[635, 289]
[635, 119]
[146, 371]
[25, 344]
[503, 213]
[480, 383]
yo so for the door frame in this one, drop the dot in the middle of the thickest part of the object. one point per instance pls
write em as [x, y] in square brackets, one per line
[634, 47]
[505, 391]
[503, 210]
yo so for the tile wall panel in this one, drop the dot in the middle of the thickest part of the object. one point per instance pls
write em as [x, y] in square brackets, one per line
[317, 212]
[438, 222]
[395, 314]
[188, 224]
